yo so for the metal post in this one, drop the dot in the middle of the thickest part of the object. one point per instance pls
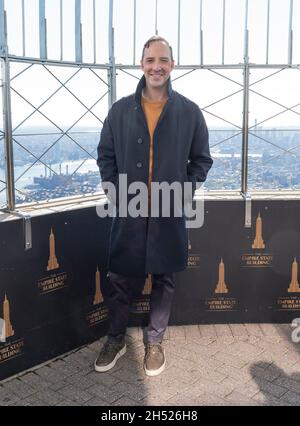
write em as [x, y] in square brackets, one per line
[8, 141]
[43, 30]
[27, 229]
[290, 46]
[245, 127]
[156, 29]
[223, 32]
[134, 31]
[178, 33]
[268, 33]
[245, 108]
[23, 29]
[94, 30]
[246, 30]
[201, 35]
[3, 39]
[61, 32]
[248, 209]
[78, 32]
[111, 48]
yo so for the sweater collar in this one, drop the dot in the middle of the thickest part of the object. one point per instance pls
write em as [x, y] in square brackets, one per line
[142, 84]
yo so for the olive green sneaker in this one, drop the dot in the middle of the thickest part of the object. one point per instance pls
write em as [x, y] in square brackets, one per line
[109, 355]
[155, 360]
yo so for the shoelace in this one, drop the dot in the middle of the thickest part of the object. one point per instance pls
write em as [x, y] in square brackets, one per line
[153, 348]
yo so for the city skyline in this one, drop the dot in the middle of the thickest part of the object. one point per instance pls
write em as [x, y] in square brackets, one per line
[68, 170]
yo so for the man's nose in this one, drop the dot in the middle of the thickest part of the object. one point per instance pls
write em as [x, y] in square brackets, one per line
[156, 65]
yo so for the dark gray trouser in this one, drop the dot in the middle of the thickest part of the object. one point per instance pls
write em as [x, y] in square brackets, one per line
[122, 291]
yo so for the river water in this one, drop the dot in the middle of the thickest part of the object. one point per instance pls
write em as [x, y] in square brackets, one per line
[24, 176]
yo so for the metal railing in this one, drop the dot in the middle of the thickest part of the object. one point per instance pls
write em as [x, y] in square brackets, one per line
[112, 67]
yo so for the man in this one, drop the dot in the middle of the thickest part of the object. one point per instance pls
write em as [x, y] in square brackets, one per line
[154, 135]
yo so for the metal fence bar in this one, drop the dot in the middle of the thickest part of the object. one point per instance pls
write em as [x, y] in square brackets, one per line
[112, 69]
[8, 140]
[61, 32]
[223, 31]
[78, 32]
[94, 29]
[42, 30]
[58, 63]
[268, 33]
[178, 33]
[3, 39]
[244, 176]
[290, 45]
[246, 30]
[156, 29]
[23, 28]
[134, 31]
[201, 35]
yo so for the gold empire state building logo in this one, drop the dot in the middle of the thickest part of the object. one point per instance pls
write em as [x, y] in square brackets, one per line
[258, 242]
[52, 262]
[221, 286]
[9, 331]
[294, 284]
[148, 285]
[98, 298]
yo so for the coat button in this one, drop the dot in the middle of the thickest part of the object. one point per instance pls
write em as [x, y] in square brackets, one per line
[140, 140]
[139, 165]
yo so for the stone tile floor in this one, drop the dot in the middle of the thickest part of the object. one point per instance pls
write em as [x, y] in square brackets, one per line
[221, 364]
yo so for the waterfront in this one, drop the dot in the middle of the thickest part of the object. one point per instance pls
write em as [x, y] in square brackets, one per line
[273, 163]
[88, 167]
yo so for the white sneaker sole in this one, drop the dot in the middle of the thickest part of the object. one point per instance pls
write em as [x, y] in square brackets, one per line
[155, 372]
[107, 367]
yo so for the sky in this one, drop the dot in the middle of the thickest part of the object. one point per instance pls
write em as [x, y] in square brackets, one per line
[203, 86]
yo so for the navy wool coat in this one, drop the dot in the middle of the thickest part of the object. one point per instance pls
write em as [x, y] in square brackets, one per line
[180, 153]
